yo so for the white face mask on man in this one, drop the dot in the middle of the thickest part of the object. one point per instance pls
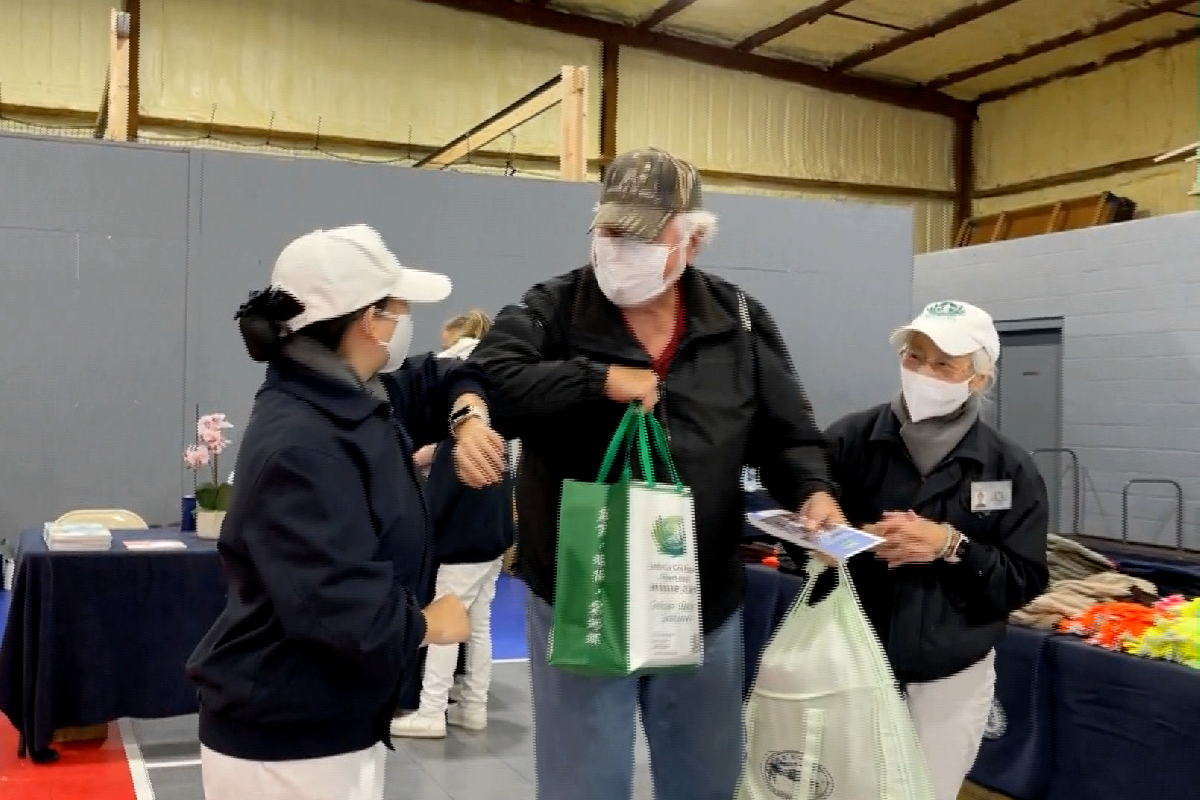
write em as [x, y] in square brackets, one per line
[631, 273]
[927, 397]
[397, 345]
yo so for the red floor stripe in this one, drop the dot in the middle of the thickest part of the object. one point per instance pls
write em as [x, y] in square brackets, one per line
[85, 771]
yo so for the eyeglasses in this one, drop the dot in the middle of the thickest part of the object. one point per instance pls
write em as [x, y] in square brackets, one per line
[948, 368]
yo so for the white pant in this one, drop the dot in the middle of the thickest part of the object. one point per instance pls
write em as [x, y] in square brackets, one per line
[475, 585]
[350, 776]
[950, 716]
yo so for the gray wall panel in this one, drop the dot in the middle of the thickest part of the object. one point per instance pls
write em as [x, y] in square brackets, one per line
[141, 332]
[92, 258]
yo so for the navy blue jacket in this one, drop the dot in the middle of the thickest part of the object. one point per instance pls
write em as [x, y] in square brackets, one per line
[327, 551]
[470, 526]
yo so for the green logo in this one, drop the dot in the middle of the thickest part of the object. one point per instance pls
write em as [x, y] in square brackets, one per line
[669, 535]
[945, 308]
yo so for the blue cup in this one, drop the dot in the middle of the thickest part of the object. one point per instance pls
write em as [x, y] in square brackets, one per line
[187, 511]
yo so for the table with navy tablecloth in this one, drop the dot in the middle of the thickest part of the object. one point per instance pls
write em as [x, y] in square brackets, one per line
[1070, 720]
[95, 636]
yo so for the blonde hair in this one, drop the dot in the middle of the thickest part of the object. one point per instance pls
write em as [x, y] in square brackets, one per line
[471, 325]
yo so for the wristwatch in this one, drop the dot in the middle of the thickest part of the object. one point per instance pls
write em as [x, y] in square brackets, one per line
[958, 546]
[463, 413]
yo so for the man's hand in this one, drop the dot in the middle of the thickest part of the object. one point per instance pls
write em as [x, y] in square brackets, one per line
[628, 384]
[822, 511]
[478, 454]
[909, 539]
[424, 457]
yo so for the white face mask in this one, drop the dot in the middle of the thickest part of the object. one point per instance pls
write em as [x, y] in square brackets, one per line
[397, 346]
[630, 273]
[928, 397]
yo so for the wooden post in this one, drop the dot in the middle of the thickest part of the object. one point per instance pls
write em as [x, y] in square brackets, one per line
[964, 171]
[610, 55]
[572, 156]
[117, 116]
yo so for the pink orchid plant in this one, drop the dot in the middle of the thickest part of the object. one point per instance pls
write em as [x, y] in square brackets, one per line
[210, 443]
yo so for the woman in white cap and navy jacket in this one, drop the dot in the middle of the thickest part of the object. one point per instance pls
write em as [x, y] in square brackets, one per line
[939, 589]
[326, 544]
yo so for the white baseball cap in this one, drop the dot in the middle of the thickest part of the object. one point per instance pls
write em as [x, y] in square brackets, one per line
[958, 328]
[334, 272]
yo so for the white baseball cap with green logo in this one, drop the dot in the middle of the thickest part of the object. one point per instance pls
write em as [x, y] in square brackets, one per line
[957, 328]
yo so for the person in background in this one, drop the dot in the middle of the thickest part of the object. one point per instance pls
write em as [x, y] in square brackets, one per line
[472, 529]
[639, 323]
[326, 545]
[963, 513]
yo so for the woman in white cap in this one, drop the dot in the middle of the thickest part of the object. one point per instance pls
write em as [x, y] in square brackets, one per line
[963, 514]
[326, 544]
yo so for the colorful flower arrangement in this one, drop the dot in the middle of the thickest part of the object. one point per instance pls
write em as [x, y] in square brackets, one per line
[1167, 631]
[212, 495]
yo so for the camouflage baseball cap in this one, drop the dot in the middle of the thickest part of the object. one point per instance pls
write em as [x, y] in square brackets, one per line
[643, 189]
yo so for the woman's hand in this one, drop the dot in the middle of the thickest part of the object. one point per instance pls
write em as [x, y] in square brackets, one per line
[909, 539]
[424, 457]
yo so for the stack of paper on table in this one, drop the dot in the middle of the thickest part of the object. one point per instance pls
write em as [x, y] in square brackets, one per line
[76, 536]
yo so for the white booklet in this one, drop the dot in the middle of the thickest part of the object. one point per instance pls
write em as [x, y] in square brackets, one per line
[839, 543]
[154, 544]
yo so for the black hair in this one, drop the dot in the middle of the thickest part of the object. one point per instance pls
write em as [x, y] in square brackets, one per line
[329, 332]
[261, 322]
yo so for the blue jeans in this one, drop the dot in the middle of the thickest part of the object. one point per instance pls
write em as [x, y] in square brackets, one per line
[583, 727]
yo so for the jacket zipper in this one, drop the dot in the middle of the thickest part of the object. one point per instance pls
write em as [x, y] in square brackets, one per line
[664, 418]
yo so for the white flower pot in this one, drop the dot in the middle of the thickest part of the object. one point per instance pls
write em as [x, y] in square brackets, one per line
[208, 523]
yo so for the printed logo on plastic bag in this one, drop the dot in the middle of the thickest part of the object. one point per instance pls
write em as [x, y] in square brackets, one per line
[782, 770]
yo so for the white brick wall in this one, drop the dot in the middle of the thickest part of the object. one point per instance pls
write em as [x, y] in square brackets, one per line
[1129, 296]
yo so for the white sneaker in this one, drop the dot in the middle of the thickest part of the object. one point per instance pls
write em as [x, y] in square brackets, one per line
[419, 726]
[473, 719]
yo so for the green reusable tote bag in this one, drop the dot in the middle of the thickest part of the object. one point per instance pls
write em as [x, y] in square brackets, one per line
[627, 595]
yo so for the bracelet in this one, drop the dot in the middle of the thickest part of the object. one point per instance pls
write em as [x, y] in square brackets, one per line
[953, 537]
[464, 413]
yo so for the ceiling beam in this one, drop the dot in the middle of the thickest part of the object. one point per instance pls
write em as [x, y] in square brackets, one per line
[1114, 23]
[663, 12]
[1079, 176]
[959, 16]
[1179, 37]
[797, 20]
[916, 98]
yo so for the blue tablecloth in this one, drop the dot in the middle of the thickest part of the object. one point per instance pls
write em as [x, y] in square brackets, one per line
[1124, 727]
[96, 636]
[1016, 756]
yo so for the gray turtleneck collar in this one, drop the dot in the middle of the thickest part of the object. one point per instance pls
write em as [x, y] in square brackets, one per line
[931, 440]
[317, 357]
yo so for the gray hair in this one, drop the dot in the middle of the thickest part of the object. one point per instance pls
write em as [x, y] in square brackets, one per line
[699, 223]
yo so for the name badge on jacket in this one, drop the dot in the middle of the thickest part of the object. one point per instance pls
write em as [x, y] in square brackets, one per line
[991, 496]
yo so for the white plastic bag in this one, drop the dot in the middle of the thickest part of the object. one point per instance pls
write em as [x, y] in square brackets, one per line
[825, 720]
